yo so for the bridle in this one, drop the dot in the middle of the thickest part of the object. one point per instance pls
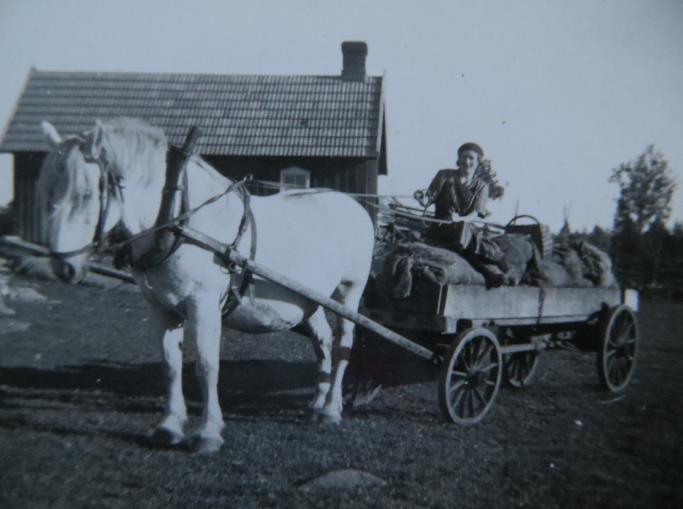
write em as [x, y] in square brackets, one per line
[110, 183]
[107, 182]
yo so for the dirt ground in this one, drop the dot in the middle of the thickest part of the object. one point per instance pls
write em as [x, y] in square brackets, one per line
[81, 386]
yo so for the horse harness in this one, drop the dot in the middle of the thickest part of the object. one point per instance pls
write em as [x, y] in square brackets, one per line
[167, 237]
[107, 183]
[164, 246]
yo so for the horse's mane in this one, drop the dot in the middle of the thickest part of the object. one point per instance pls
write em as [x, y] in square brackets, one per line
[135, 130]
[135, 145]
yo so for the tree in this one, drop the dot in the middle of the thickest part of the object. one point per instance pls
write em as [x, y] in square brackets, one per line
[646, 188]
[677, 230]
[600, 238]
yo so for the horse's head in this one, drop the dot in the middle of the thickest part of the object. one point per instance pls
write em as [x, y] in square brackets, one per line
[73, 195]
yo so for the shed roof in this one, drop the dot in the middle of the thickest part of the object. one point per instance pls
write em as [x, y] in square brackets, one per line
[240, 115]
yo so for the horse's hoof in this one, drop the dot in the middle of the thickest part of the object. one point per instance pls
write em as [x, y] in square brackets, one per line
[316, 416]
[167, 437]
[208, 445]
[328, 419]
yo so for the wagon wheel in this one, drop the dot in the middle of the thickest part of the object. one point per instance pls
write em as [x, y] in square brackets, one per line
[469, 381]
[618, 347]
[519, 368]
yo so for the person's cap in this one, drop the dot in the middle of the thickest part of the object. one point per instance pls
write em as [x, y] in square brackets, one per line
[470, 146]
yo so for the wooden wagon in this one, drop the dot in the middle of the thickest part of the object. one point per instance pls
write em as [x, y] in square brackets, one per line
[482, 338]
[477, 337]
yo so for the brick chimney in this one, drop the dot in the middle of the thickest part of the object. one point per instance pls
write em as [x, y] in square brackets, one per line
[354, 53]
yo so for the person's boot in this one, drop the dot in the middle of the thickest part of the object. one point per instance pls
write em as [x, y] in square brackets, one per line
[493, 279]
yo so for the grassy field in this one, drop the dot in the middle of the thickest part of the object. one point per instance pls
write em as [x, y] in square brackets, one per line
[81, 385]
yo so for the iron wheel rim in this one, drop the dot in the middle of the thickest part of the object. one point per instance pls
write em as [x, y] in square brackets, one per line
[618, 350]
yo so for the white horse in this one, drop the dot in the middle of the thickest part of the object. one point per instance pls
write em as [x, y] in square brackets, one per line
[324, 240]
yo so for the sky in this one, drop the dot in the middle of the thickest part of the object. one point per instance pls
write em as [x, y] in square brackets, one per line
[557, 93]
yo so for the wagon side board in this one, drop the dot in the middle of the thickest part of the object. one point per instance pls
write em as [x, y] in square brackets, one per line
[519, 305]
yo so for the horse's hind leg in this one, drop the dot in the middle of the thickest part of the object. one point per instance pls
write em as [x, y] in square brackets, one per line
[321, 335]
[348, 294]
[170, 430]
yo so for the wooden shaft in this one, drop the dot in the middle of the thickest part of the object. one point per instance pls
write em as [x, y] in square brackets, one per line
[43, 251]
[231, 256]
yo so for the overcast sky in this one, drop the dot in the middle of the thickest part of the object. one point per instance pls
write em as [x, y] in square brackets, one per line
[558, 93]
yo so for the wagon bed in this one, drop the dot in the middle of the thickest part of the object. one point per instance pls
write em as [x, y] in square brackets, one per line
[479, 337]
[442, 308]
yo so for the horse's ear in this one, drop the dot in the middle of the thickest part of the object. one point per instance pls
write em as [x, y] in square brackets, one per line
[51, 134]
[92, 148]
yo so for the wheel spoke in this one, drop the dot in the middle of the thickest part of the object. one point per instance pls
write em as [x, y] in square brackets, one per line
[457, 399]
[455, 387]
[489, 367]
[470, 403]
[480, 398]
[516, 367]
[611, 366]
[463, 358]
[625, 325]
[459, 374]
[462, 404]
[484, 354]
[474, 351]
[626, 333]
[619, 372]
[512, 365]
[531, 358]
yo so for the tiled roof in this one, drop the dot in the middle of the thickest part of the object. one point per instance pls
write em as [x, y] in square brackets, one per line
[240, 115]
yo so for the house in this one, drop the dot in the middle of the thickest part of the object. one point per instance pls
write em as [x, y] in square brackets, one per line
[297, 130]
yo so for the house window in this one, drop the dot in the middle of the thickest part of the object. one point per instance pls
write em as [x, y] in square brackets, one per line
[294, 177]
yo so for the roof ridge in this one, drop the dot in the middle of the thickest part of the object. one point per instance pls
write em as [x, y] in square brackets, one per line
[38, 72]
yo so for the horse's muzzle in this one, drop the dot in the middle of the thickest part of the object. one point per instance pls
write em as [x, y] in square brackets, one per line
[67, 271]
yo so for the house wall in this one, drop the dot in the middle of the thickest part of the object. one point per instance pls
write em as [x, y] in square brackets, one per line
[347, 175]
[26, 170]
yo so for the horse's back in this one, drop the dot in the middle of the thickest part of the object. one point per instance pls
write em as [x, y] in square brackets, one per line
[320, 240]
[327, 229]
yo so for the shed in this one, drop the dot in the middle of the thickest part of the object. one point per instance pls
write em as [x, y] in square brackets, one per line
[297, 130]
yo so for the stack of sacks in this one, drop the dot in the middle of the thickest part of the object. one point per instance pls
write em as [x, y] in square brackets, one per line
[574, 263]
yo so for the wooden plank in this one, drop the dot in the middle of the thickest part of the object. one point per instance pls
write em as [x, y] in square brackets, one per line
[525, 303]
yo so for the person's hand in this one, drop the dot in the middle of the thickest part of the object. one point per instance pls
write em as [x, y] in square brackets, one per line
[496, 191]
[421, 196]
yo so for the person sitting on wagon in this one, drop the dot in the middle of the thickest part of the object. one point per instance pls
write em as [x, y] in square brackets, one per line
[462, 192]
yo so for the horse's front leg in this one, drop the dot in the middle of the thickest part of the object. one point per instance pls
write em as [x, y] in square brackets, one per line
[204, 326]
[170, 332]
